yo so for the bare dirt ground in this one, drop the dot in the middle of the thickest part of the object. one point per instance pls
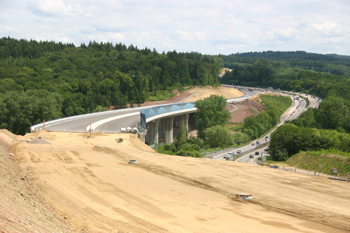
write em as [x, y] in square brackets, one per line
[203, 92]
[246, 108]
[81, 184]
[224, 70]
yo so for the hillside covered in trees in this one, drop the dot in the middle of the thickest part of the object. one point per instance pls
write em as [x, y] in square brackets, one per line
[326, 128]
[50, 80]
[330, 63]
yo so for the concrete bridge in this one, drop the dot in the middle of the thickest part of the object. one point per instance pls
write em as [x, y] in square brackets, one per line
[162, 124]
[155, 124]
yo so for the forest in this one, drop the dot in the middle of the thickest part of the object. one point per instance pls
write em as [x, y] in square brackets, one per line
[39, 77]
[325, 128]
[49, 80]
[329, 63]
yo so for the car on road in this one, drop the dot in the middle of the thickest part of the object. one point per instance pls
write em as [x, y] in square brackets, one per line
[251, 156]
[239, 151]
[257, 153]
[257, 142]
[253, 144]
[267, 149]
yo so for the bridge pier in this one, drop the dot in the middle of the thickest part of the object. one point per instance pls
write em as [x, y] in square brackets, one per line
[185, 118]
[162, 130]
[153, 131]
[169, 129]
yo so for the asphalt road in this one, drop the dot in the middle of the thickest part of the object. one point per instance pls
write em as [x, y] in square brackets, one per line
[296, 109]
[82, 123]
[118, 119]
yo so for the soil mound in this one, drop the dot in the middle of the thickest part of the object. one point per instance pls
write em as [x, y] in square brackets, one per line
[175, 92]
[38, 141]
[6, 138]
[43, 134]
[244, 109]
[7, 133]
[253, 103]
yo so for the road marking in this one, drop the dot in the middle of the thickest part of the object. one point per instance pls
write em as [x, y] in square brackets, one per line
[100, 122]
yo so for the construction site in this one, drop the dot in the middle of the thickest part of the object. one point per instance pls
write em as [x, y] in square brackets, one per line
[71, 182]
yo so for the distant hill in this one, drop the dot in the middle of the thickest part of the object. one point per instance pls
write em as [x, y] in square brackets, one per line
[279, 55]
[325, 63]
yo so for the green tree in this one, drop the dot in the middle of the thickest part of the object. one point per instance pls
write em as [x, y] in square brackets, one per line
[99, 108]
[211, 111]
[332, 113]
[181, 137]
[218, 136]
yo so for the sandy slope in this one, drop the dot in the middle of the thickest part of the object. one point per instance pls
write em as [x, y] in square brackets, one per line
[70, 185]
[207, 91]
[98, 191]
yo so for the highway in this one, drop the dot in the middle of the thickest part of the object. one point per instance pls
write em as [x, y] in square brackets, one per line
[107, 121]
[113, 121]
[128, 117]
[248, 151]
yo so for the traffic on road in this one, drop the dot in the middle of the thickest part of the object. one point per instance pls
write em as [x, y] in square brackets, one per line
[259, 148]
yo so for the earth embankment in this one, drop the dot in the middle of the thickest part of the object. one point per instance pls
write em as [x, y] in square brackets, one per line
[90, 182]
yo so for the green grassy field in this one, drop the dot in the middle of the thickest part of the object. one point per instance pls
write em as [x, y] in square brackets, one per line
[322, 161]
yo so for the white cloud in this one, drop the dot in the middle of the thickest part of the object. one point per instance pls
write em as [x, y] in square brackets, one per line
[328, 28]
[288, 33]
[206, 26]
[201, 35]
[185, 36]
[8, 29]
[50, 7]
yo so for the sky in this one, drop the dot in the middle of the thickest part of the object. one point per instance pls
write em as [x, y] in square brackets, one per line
[204, 26]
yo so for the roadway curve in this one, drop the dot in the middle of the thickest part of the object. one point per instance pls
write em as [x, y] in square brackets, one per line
[108, 121]
[293, 112]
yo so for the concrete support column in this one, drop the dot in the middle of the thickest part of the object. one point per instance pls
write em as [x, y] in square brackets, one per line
[185, 118]
[168, 127]
[143, 135]
[153, 131]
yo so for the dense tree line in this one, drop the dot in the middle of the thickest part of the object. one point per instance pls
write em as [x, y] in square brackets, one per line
[330, 63]
[332, 114]
[263, 73]
[274, 107]
[20, 110]
[323, 128]
[289, 139]
[97, 74]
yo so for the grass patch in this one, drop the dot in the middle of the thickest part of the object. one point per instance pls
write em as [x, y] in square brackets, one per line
[269, 161]
[235, 126]
[322, 161]
[254, 112]
[160, 95]
[165, 94]
[182, 89]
